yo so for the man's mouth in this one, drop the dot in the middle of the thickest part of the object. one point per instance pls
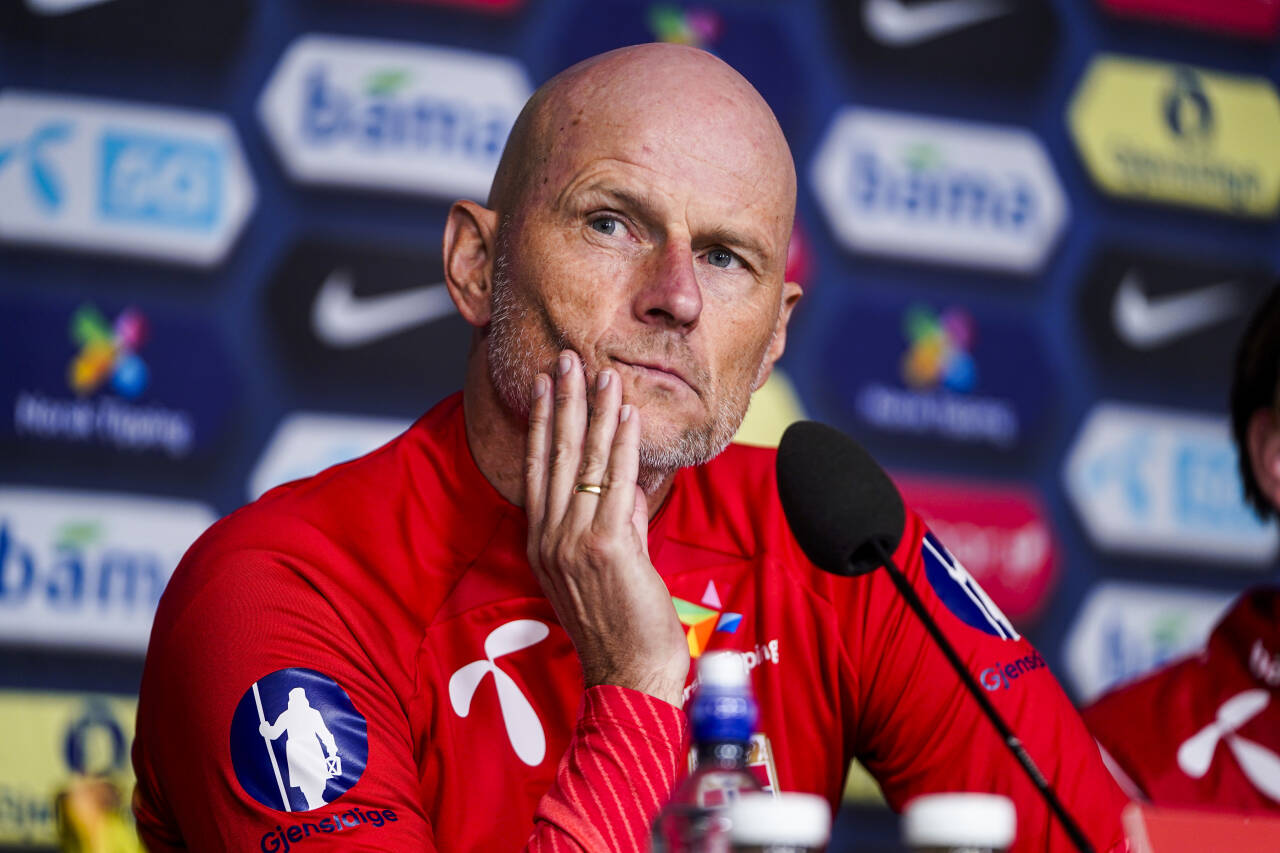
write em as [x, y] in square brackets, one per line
[660, 372]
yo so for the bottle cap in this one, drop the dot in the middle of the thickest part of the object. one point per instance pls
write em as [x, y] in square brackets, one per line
[761, 818]
[722, 669]
[959, 820]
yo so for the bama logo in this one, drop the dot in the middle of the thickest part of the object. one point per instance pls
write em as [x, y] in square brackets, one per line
[122, 178]
[939, 191]
[297, 742]
[962, 595]
[391, 116]
[1001, 676]
[86, 569]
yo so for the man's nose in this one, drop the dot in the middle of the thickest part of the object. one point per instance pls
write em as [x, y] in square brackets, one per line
[671, 296]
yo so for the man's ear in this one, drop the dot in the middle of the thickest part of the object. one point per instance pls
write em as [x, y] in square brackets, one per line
[791, 293]
[1264, 453]
[470, 242]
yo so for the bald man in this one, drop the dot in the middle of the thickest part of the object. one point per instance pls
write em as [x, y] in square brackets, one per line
[495, 613]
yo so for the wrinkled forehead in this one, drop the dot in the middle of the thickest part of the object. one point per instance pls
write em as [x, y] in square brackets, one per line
[703, 132]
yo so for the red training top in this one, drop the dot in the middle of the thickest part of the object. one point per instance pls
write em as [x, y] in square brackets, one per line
[1206, 730]
[365, 659]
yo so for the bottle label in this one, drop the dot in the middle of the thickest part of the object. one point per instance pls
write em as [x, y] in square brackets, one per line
[759, 762]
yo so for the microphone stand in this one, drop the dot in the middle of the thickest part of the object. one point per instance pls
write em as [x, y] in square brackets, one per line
[1010, 739]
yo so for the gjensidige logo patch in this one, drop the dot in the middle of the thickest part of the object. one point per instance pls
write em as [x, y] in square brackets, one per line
[297, 742]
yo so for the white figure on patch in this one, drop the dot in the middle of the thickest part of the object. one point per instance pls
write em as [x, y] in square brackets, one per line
[309, 769]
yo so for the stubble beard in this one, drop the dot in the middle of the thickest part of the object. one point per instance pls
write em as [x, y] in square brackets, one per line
[515, 360]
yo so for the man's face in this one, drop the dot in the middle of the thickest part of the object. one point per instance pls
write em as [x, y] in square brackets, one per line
[654, 246]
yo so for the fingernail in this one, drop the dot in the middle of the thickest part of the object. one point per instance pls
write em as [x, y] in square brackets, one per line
[602, 382]
[539, 386]
[626, 413]
[566, 362]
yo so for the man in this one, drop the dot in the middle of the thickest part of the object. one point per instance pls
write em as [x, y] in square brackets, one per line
[482, 610]
[1216, 740]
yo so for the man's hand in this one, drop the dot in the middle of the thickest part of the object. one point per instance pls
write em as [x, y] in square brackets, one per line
[590, 551]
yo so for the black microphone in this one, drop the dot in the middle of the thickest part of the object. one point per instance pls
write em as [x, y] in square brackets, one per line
[848, 518]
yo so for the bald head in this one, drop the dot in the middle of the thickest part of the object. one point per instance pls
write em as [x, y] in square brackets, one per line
[657, 95]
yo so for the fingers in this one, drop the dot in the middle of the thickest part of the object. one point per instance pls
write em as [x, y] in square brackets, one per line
[618, 502]
[568, 424]
[598, 445]
[537, 455]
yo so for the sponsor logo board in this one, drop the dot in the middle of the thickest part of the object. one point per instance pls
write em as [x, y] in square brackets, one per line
[306, 443]
[56, 738]
[952, 374]
[1003, 43]
[121, 178]
[1000, 533]
[1125, 630]
[86, 569]
[127, 381]
[1253, 18]
[391, 116]
[940, 191]
[1164, 482]
[370, 317]
[1161, 315]
[1181, 135]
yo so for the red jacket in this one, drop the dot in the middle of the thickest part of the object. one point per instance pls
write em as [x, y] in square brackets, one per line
[392, 595]
[1206, 730]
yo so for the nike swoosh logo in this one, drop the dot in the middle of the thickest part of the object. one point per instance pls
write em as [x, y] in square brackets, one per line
[343, 320]
[1144, 322]
[893, 23]
[61, 7]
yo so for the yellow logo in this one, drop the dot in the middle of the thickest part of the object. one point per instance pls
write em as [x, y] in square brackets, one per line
[1179, 135]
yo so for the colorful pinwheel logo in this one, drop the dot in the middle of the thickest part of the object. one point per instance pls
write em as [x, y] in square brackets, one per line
[703, 620]
[939, 350]
[108, 352]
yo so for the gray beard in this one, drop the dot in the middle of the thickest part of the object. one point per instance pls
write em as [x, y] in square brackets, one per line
[515, 362]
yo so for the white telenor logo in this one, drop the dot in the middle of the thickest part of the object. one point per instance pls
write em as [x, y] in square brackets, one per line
[344, 320]
[309, 768]
[524, 729]
[1260, 765]
[896, 24]
[1146, 322]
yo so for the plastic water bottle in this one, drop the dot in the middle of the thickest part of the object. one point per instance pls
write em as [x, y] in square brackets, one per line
[787, 823]
[723, 715]
[950, 823]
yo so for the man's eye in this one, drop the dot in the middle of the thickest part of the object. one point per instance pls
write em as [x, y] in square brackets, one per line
[722, 258]
[607, 225]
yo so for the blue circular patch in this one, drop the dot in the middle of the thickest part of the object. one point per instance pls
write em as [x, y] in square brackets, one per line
[297, 742]
[962, 595]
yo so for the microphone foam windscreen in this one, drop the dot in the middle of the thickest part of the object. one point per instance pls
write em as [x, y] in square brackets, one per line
[836, 498]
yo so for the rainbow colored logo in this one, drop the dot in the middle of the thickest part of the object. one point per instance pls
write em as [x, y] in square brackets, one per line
[703, 620]
[938, 354]
[697, 27]
[108, 353]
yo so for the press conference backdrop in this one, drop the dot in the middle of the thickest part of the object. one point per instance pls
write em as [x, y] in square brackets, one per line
[1029, 235]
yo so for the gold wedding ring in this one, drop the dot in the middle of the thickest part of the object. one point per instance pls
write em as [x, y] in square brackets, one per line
[589, 488]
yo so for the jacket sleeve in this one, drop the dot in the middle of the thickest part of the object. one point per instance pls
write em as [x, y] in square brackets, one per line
[238, 634]
[918, 730]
